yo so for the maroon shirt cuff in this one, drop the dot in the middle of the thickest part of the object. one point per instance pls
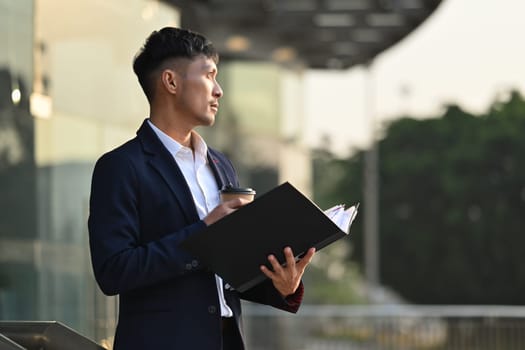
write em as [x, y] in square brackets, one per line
[294, 301]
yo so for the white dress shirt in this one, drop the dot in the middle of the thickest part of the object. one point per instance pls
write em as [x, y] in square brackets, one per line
[199, 177]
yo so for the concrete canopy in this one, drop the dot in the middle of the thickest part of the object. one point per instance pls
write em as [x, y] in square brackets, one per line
[320, 34]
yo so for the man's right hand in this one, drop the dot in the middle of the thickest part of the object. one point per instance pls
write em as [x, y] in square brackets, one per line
[224, 209]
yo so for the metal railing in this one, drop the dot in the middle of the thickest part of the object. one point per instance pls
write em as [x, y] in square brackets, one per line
[381, 327]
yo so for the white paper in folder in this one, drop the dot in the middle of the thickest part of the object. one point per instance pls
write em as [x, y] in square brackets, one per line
[342, 217]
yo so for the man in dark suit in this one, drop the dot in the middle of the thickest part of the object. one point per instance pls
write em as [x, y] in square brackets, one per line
[151, 193]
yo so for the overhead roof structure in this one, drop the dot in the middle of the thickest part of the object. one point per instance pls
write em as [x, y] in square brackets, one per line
[321, 34]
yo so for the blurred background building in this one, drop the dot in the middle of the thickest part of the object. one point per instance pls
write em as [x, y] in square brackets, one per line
[68, 94]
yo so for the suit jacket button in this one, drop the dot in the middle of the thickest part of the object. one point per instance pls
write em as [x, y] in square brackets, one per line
[188, 266]
[195, 263]
[212, 309]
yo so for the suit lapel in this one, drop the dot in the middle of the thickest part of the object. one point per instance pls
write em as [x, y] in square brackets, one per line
[217, 168]
[162, 161]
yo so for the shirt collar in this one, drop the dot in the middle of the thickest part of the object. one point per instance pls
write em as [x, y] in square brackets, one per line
[199, 145]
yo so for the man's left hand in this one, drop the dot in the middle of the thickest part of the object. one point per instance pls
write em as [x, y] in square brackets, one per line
[287, 278]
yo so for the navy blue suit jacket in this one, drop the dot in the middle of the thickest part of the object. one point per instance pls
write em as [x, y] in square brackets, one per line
[141, 208]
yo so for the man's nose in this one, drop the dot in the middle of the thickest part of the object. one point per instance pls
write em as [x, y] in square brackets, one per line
[217, 90]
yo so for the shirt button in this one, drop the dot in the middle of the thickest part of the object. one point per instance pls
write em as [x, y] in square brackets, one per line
[212, 309]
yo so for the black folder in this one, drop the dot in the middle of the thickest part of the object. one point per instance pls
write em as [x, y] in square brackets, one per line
[238, 244]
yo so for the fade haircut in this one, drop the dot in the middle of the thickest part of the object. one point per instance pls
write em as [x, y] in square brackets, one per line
[165, 44]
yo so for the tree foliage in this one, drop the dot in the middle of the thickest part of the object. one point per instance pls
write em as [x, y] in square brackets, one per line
[452, 204]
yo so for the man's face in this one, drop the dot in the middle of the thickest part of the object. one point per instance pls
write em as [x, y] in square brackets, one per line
[198, 92]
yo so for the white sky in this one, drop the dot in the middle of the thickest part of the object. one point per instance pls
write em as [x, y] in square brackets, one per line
[467, 52]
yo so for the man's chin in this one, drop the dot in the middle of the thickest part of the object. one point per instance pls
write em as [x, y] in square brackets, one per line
[209, 121]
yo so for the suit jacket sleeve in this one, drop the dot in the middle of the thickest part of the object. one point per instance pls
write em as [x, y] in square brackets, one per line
[121, 259]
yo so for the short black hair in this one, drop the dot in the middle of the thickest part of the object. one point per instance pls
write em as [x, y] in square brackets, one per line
[168, 43]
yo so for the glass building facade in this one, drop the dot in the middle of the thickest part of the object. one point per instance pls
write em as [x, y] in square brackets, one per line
[67, 95]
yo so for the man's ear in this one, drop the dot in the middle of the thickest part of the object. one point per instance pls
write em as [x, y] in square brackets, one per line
[169, 80]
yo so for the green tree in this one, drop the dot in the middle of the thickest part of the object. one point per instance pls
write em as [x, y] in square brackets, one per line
[452, 198]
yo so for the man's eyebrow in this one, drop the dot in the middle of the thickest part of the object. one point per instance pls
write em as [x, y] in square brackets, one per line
[210, 68]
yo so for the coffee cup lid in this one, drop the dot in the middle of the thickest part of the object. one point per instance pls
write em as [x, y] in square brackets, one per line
[241, 190]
